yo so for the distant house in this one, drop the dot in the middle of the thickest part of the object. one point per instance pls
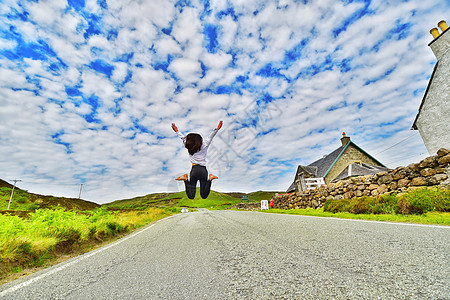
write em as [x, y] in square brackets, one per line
[433, 118]
[346, 161]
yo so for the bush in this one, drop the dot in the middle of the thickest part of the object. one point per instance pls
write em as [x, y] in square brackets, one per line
[385, 204]
[417, 201]
[360, 205]
[423, 200]
[32, 206]
[20, 199]
[335, 206]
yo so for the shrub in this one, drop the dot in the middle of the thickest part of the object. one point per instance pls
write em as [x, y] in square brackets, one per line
[423, 200]
[335, 206]
[20, 199]
[5, 191]
[417, 201]
[360, 205]
[385, 204]
[32, 206]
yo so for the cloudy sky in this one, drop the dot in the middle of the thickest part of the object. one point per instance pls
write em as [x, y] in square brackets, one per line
[89, 88]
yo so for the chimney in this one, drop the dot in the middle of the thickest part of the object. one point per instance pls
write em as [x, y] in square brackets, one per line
[442, 25]
[345, 139]
[434, 32]
[441, 42]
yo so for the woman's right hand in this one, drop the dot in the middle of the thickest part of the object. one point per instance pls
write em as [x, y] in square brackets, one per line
[174, 127]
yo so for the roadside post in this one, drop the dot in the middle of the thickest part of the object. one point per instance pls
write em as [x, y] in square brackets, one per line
[12, 192]
[264, 204]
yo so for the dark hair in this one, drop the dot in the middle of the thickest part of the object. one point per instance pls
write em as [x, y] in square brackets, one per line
[193, 143]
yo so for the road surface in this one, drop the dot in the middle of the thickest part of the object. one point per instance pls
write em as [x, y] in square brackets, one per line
[252, 255]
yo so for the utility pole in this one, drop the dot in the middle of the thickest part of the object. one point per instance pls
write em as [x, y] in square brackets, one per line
[81, 187]
[12, 192]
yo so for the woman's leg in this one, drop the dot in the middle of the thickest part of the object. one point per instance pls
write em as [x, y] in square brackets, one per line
[190, 189]
[196, 174]
[205, 184]
[205, 188]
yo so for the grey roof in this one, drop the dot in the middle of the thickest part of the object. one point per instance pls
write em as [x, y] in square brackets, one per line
[360, 169]
[323, 165]
[291, 188]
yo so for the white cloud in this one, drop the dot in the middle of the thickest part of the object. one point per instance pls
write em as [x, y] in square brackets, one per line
[187, 70]
[364, 80]
[187, 27]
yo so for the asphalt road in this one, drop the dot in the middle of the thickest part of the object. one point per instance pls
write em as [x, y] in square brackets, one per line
[251, 255]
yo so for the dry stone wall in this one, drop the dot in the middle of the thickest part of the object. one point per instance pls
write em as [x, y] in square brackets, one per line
[432, 171]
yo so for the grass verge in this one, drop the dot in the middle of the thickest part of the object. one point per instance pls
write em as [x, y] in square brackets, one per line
[47, 236]
[431, 218]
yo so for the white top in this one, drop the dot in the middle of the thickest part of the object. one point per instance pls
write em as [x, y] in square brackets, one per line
[199, 157]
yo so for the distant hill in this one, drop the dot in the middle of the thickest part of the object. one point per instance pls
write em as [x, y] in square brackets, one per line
[215, 200]
[5, 184]
[23, 200]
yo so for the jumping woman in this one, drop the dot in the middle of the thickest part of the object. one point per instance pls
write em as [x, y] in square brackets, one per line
[197, 149]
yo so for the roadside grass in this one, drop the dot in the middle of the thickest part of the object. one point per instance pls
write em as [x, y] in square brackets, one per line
[47, 235]
[430, 218]
[426, 205]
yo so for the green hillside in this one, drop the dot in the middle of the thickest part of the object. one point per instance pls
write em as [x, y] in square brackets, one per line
[215, 200]
[25, 201]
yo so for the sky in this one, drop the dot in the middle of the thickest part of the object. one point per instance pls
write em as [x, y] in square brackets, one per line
[89, 89]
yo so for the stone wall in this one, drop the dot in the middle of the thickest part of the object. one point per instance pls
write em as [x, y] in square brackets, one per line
[432, 171]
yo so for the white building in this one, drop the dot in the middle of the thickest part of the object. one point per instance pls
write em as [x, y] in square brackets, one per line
[433, 118]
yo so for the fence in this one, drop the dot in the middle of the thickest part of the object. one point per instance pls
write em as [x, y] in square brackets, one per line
[312, 183]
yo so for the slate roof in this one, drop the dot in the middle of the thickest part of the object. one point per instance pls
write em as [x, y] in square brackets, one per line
[291, 188]
[324, 164]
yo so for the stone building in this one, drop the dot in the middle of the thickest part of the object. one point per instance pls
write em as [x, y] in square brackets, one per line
[433, 118]
[348, 160]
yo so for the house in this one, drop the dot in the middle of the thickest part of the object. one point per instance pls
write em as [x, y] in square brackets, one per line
[433, 117]
[346, 161]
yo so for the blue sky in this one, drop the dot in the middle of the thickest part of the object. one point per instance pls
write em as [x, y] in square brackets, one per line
[89, 89]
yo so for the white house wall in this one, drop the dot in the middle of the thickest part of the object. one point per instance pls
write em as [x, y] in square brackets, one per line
[433, 121]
